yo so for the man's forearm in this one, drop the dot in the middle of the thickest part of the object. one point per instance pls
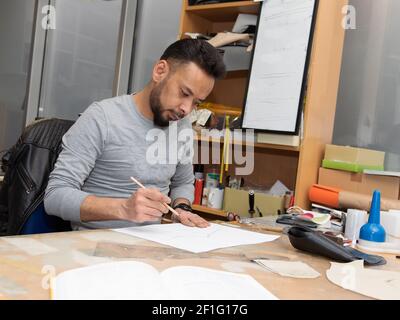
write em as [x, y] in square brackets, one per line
[102, 209]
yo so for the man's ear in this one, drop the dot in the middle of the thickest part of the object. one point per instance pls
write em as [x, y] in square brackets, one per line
[160, 71]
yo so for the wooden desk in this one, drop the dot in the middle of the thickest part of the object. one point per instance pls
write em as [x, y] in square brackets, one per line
[22, 275]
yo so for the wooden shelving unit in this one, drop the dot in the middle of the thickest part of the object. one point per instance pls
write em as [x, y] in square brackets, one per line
[199, 138]
[214, 18]
[296, 167]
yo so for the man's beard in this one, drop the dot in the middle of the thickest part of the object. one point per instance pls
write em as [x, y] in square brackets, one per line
[156, 106]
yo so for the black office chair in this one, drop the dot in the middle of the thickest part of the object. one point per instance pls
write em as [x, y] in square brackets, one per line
[27, 166]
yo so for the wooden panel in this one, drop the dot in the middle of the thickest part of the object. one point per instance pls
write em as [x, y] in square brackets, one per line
[323, 82]
[224, 11]
[272, 165]
[269, 165]
[194, 23]
[231, 90]
[222, 26]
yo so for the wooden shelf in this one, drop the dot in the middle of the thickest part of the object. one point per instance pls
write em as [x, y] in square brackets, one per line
[297, 167]
[215, 212]
[227, 11]
[220, 109]
[256, 145]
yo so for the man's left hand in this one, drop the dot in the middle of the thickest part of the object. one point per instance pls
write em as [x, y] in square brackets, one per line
[189, 219]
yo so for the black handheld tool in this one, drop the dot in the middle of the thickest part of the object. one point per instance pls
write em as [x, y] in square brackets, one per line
[293, 220]
[251, 203]
[306, 239]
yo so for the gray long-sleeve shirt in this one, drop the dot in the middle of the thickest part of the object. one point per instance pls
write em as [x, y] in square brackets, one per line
[108, 144]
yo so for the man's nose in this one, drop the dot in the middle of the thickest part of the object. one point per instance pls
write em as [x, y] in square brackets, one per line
[186, 108]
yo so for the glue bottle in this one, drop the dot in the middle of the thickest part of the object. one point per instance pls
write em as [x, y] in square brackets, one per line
[373, 230]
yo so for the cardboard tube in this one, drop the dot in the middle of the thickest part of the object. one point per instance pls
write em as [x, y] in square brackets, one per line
[360, 201]
[340, 199]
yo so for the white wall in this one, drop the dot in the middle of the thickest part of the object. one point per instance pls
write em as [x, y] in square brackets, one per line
[368, 109]
[16, 23]
[157, 27]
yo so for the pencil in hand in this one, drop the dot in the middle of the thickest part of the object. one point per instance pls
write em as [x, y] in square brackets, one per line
[165, 204]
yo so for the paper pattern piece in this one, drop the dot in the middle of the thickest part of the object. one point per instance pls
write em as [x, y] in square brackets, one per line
[105, 236]
[378, 284]
[10, 288]
[30, 246]
[278, 189]
[134, 280]
[197, 239]
[293, 269]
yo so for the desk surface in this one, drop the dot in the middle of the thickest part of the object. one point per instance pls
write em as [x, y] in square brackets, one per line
[27, 261]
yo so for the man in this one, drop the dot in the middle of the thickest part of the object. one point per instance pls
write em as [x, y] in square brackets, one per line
[90, 184]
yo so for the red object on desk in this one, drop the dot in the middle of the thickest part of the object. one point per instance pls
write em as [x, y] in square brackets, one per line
[291, 203]
[198, 191]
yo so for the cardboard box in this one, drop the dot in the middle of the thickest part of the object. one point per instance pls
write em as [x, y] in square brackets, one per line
[360, 182]
[352, 159]
[237, 201]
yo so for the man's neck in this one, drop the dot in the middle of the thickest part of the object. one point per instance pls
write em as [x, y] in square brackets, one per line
[142, 101]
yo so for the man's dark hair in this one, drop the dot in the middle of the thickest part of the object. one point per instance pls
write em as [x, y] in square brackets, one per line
[200, 52]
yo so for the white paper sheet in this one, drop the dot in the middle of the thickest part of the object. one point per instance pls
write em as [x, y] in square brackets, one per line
[195, 283]
[109, 281]
[378, 284]
[140, 281]
[197, 239]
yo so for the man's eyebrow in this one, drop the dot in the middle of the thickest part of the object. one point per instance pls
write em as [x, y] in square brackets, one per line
[191, 93]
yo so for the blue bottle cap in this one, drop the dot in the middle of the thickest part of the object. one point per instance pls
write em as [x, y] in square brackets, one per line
[373, 230]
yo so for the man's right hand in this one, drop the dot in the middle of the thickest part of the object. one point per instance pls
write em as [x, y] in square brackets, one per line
[145, 205]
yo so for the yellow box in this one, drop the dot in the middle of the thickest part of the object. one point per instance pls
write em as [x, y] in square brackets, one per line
[237, 201]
